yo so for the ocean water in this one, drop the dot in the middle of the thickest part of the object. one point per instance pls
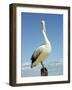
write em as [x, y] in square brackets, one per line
[55, 68]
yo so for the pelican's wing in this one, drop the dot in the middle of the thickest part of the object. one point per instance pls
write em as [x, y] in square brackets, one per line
[36, 53]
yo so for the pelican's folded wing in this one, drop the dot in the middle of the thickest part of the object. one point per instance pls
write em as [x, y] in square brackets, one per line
[36, 54]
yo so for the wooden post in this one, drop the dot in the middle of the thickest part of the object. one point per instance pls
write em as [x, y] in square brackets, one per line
[44, 72]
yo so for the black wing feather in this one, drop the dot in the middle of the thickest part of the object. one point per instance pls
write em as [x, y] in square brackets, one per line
[35, 56]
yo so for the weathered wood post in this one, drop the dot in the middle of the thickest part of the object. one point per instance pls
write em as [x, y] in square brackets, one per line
[44, 72]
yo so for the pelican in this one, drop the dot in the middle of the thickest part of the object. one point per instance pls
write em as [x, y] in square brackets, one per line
[43, 51]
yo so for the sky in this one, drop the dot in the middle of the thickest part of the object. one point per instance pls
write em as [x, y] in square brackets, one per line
[32, 37]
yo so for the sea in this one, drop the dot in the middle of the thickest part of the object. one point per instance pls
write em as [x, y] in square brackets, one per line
[54, 69]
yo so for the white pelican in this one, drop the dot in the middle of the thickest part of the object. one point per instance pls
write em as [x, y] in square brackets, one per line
[43, 51]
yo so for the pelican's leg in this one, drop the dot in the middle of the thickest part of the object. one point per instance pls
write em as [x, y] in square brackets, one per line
[44, 71]
[42, 64]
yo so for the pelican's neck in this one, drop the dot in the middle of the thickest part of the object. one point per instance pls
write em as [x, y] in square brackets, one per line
[45, 38]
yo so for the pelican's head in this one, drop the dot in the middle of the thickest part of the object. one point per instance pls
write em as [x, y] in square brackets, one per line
[43, 26]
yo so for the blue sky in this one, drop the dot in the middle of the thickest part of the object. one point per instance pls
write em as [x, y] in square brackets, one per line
[31, 35]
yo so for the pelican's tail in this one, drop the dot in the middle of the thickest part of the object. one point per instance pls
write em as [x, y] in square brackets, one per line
[32, 66]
